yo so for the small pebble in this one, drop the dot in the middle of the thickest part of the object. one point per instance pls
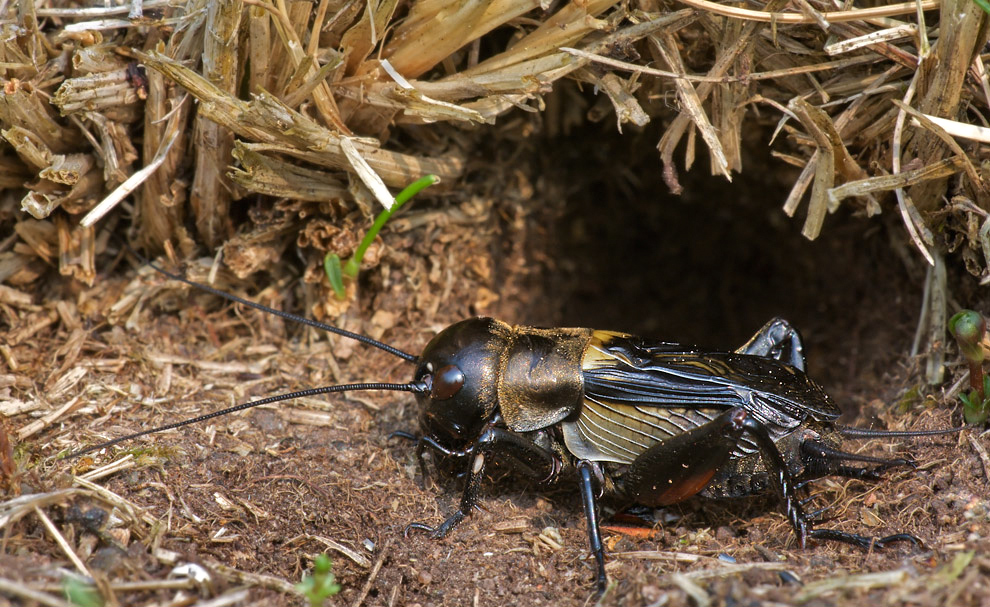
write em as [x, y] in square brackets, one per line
[788, 578]
[651, 593]
[106, 559]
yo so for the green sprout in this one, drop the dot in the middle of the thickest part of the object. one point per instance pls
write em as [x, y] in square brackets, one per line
[337, 272]
[976, 410]
[81, 594]
[969, 327]
[319, 585]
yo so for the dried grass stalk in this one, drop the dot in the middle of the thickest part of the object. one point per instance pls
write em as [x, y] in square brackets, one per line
[565, 27]
[210, 197]
[266, 120]
[76, 251]
[265, 174]
[109, 93]
[27, 108]
[622, 95]
[832, 159]
[417, 45]
[30, 148]
[162, 197]
[963, 32]
[887, 183]
[691, 103]
[318, 73]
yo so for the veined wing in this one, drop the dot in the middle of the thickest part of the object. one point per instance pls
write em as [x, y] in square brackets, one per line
[637, 394]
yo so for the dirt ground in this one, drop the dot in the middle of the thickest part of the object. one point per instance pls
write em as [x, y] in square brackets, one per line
[248, 501]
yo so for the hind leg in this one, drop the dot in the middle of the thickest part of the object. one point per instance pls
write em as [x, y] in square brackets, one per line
[778, 340]
[788, 485]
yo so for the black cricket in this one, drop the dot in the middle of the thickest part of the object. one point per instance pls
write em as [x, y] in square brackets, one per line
[650, 421]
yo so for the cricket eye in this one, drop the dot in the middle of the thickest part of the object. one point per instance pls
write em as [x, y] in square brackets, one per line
[446, 382]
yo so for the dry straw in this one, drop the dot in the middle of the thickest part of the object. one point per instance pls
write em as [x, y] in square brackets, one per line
[173, 111]
[181, 108]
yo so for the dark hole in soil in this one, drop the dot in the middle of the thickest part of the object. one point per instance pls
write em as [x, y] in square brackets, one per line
[711, 266]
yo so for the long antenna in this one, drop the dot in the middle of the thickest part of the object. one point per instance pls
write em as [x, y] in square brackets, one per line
[280, 313]
[416, 387]
[853, 432]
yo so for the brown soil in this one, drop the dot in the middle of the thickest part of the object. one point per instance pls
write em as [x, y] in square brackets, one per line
[265, 491]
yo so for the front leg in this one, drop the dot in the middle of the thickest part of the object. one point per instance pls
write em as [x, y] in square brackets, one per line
[542, 464]
[422, 444]
[468, 501]
[590, 475]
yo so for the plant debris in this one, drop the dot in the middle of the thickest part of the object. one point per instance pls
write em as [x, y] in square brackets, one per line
[248, 139]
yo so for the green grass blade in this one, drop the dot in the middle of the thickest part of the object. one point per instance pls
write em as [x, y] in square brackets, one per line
[331, 265]
[353, 264]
